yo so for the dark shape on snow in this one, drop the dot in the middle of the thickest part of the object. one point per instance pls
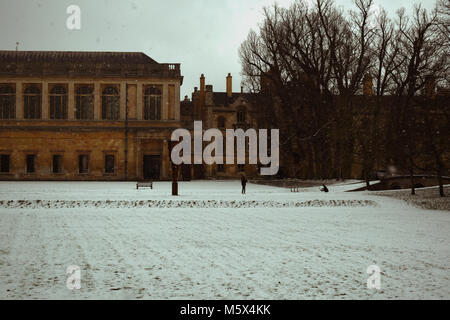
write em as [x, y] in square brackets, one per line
[243, 183]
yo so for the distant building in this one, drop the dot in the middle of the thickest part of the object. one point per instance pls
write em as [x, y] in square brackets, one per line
[86, 115]
[221, 110]
[232, 110]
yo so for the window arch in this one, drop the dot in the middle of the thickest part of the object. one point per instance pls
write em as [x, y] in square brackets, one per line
[110, 104]
[220, 122]
[7, 102]
[58, 102]
[85, 103]
[32, 103]
[152, 103]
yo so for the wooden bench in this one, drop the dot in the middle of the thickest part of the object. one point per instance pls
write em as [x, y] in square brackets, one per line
[144, 185]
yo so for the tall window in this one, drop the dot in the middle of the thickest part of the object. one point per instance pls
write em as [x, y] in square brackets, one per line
[85, 103]
[109, 164]
[7, 102]
[4, 163]
[241, 116]
[32, 103]
[220, 122]
[31, 163]
[83, 163]
[58, 103]
[110, 104]
[152, 103]
[57, 163]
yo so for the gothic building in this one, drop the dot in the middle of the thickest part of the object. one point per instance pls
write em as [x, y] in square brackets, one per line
[221, 110]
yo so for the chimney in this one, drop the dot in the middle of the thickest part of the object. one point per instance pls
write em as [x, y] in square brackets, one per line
[209, 88]
[202, 84]
[202, 89]
[242, 89]
[229, 85]
[367, 85]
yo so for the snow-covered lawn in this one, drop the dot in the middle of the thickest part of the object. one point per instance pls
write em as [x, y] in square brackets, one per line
[211, 242]
[426, 198]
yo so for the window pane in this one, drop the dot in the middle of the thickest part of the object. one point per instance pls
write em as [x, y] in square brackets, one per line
[110, 104]
[4, 163]
[58, 103]
[241, 116]
[221, 122]
[85, 103]
[30, 163]
[152, 103]
[109, 164]
[57, 164]
[32, 103]
[7, 102]
[83, 164]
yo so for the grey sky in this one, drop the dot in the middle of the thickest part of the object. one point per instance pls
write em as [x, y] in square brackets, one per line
[202, 35]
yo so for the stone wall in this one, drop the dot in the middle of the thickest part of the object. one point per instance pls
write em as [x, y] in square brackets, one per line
[95, 138]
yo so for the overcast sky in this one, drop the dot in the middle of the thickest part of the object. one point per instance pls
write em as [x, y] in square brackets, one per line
[202, 35]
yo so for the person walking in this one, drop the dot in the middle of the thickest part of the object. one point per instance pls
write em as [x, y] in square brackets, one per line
[243, 183]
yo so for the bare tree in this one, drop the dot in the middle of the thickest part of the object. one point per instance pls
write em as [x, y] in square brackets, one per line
[308, 63]
[420, 63]
[443, 24]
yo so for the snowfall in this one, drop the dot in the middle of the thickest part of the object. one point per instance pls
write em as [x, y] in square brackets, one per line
[212, 242]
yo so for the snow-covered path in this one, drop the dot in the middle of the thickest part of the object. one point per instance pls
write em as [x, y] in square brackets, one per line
[202, 252]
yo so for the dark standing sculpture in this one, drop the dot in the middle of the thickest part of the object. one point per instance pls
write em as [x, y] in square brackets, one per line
[175, 169]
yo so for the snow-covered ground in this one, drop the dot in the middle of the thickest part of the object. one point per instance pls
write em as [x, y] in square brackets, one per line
[211, 242]
[426, 198]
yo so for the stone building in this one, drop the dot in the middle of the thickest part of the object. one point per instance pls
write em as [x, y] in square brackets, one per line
[86, 115]
[231, 110]
[221, 110]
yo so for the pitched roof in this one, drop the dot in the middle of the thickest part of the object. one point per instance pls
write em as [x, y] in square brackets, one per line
[222, 98]
[84, 63]
[75, 57]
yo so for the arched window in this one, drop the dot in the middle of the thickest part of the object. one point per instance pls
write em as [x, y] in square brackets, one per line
[32, 103]
[220, 122]
[7, 102]
[58, 103]
[110, 104]
[152, 103]
[85, 103]
[241, 116]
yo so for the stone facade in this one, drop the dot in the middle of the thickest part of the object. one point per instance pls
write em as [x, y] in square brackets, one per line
[221, 110]
[110, 117]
